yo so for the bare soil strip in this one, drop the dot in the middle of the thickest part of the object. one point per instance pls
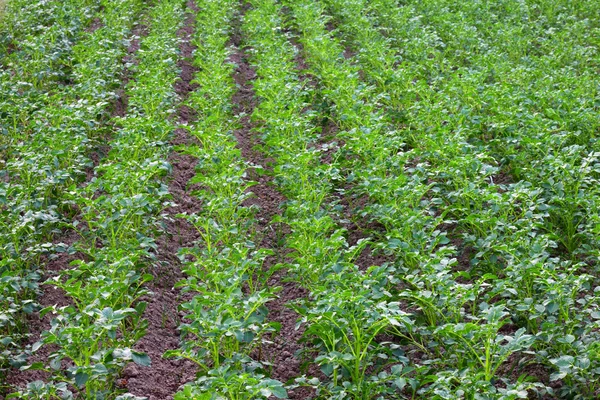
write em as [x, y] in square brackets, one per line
[163, 378]
[281, 351]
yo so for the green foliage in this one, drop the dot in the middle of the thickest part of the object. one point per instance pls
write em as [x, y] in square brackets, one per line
[458, 139]
[120, 207]
[229, 383]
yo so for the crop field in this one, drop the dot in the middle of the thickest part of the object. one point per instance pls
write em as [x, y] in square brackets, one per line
[303, 199]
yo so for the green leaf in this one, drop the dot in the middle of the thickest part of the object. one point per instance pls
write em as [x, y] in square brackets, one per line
[279, 392]
[5, 341]
[495, 314]
[81, 378]
[55, 364]
[444, 240]
[563, 361]
[37, 366]
[557, 375]
[36, 346]
[400, 383]
[172, 353]
[244, 337]
[141, 358]
[569, 339]
[99, 369]
[552, 307]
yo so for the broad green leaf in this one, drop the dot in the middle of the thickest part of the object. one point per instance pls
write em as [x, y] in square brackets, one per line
[140, 358]
[81, 378]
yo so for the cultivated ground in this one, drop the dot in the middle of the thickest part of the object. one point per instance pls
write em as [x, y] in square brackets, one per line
[332, 199]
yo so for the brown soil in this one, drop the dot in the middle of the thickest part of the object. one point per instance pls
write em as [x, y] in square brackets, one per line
[283, 352]
[282, 349]
[49, 296]
[95, 25]
[329, 143]
[122, 103]
[164, 377]
[519, 364]
[501, 180]
[302, 67]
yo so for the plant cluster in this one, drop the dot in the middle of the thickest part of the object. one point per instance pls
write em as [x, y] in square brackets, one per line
[526, 259]
[225, 323]
[58, 84]
[118, 209]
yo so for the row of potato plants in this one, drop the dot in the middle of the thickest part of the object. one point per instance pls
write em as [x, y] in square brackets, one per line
[225, 322]
[46, 150]
[347, 308]
[542, 251]
[119, 215]
[506, 229]
[19, 281]
[412, 224]
[290, 134]
[468, 172]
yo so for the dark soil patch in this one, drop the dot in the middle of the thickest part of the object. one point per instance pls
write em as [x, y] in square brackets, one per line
[49, 296]
[266, 198]
[304, 71]
[329, 143]
[164, 377]
[519, 364]
[95, 25]
[502, 179]
[464, 255]
[122, 102]
[282, 348]
[368, 258]
[349, 54]
[331, 25]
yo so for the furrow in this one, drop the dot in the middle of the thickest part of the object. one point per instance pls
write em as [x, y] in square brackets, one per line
[163, 377]
[225, 321]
